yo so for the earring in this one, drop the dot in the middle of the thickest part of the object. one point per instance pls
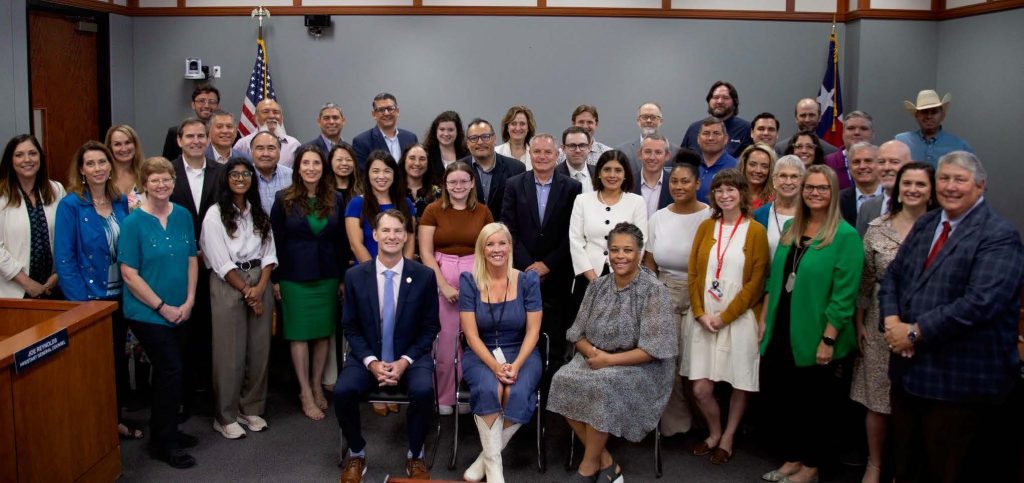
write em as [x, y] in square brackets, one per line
[899, 198]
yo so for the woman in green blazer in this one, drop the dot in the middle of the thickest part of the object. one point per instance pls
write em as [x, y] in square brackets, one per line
[809, 303]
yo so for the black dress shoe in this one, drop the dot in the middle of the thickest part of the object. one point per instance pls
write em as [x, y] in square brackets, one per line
[186, 440]
[175, 458]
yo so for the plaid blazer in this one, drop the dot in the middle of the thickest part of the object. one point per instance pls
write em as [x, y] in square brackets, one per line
[966, 304]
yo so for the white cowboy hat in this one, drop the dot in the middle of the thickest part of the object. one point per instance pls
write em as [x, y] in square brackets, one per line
[927, 99]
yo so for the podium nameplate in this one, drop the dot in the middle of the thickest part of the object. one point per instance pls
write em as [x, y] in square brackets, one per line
[41, 350]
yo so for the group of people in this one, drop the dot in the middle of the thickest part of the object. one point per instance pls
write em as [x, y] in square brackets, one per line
[657, 272]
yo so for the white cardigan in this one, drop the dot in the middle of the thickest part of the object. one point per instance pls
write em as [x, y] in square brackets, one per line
[505, 149]
[590, 223]
[16, 240]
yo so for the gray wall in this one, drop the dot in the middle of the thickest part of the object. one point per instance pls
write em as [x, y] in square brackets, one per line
[122, 72]
[481, 65]
[982, 65]
[14, 69]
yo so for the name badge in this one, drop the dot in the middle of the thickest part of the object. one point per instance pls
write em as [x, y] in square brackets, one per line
[499, 355]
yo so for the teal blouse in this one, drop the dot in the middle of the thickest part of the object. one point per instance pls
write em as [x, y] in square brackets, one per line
[160, 255]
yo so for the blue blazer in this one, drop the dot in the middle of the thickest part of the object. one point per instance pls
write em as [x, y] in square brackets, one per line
[318, 141]
[371, 140]
[535, 241]
[416, 317]
[302, 255]
[966, 304]
[80, 250]
[665, 198]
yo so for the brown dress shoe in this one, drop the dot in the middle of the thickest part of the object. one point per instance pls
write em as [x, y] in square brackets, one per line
[416, 468]
[353, 470]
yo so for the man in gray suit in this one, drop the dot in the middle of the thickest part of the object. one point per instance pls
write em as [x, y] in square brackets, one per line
[892, 155]
[648, 119]
[807, 113]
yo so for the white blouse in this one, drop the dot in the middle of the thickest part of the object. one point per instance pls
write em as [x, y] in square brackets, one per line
[505, 149]
[221, 251]
[672, 239]
[16, 240]
[590, 223]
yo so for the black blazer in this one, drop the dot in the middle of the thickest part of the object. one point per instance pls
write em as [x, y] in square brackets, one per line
[171, 148]
[371, 140]
[504, 168]
[303, 256]
[665, 198]
[563, 169]
[322, 146]
[848, 205]
[546, 242]
[416, 317]
[182, 193]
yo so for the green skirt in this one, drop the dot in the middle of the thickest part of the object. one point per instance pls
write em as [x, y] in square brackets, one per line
[310, 308]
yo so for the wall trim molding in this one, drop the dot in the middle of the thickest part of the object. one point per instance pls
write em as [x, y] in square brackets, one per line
[938, 11]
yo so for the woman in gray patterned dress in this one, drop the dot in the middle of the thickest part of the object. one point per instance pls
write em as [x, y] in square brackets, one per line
[625, 336]
[914, 191]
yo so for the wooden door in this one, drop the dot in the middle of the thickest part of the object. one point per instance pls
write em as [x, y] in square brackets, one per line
[64, 85]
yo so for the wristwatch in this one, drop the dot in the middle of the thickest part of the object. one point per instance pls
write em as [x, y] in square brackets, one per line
[913, 334]
[828, 340]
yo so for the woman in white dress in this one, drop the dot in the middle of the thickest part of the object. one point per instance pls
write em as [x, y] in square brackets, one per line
[727, 269]
[788, 172]
[672, 231]
[517, 129]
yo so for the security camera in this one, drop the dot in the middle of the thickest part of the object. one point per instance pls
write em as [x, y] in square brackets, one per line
[194, 68]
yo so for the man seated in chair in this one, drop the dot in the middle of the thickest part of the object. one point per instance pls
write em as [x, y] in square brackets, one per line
[390, 321]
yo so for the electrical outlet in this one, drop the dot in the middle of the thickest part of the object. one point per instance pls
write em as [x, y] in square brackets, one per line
[216, 72]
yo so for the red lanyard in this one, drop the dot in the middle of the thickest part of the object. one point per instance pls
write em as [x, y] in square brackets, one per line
[718, 247]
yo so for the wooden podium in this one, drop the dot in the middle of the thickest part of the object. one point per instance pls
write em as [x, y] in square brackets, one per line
[58, 416]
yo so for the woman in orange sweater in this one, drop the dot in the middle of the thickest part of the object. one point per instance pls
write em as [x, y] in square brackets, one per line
[727, 270]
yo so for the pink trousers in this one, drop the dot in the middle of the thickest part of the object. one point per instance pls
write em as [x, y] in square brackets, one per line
[452, 267]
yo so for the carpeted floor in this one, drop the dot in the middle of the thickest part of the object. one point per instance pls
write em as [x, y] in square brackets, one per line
[295, 448]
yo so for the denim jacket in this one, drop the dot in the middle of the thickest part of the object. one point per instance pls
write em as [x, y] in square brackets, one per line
[80, 249]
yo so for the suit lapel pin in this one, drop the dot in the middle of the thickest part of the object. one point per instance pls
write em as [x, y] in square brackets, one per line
[408, 279]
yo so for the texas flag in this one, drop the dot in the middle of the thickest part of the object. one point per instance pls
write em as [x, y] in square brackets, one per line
[830, 97]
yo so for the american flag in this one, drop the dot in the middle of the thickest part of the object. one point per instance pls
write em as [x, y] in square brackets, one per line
[258, 89]
[830, 96]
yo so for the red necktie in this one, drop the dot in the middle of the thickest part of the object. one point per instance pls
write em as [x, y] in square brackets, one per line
[937, 247]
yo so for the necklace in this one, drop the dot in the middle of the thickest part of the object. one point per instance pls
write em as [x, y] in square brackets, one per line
[791, 279]
[601, 198]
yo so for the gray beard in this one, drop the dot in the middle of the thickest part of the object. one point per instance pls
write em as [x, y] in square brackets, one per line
[280, 132]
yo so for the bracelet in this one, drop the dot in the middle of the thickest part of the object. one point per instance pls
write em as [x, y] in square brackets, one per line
[158, 307]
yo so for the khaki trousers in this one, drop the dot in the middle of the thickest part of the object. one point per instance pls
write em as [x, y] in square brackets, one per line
[241, 349]
[677, 417]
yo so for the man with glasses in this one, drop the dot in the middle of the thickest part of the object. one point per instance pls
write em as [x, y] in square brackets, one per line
[723, 104]
[648, 119]
[270, 118]
[385, 135]
[575, 149]
[205, 100]
[492, 169]
[331, 122]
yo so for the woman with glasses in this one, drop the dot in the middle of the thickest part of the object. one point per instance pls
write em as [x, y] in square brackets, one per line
[806, 146]
[448, 233]
[808, 318]
[517, 129]
[238, 245]
[788, 172]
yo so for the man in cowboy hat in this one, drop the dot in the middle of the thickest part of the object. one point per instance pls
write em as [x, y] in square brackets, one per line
[930, 142]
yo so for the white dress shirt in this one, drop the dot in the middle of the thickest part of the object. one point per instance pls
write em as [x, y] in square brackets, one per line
[396, 282]
[590, 222]
[221, 251]
[582, 176]
[195, 180]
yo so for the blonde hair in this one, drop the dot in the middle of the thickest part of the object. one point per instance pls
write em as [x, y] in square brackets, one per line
[480, 275]
[827, 232]
[767, 190]
[134, 138]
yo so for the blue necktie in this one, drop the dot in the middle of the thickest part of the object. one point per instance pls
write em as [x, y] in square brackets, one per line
[387, 352]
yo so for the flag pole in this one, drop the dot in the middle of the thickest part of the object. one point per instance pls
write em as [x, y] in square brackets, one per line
[834, 40]
[260, 13]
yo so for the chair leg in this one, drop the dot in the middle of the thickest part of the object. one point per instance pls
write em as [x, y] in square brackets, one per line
[657, 451]
[342, 448]
[455, 438]
[572, 448]
[542, 444]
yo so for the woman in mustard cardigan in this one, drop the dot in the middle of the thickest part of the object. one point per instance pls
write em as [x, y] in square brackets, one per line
[810, 298]
[727, 268]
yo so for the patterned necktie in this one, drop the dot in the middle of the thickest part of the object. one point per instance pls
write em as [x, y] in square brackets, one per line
[387, 352]
[938, 244]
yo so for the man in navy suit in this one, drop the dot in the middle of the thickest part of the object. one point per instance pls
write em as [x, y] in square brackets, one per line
[536, 209]
[331, 121]
[866, 186]
[949, 303]
[653, 175]
[576, 148]
[385, 135]
[390, 321]
[492, 169]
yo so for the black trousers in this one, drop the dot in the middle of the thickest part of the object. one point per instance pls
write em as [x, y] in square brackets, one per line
[163, 345]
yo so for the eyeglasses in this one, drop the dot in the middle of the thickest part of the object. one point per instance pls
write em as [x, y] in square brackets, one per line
[162, 181]
[206, 102]
[459, 182]
[820, 188]
[576, 147]
[477, 138]
[239, 175]
[385, 109]
[649, 117]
